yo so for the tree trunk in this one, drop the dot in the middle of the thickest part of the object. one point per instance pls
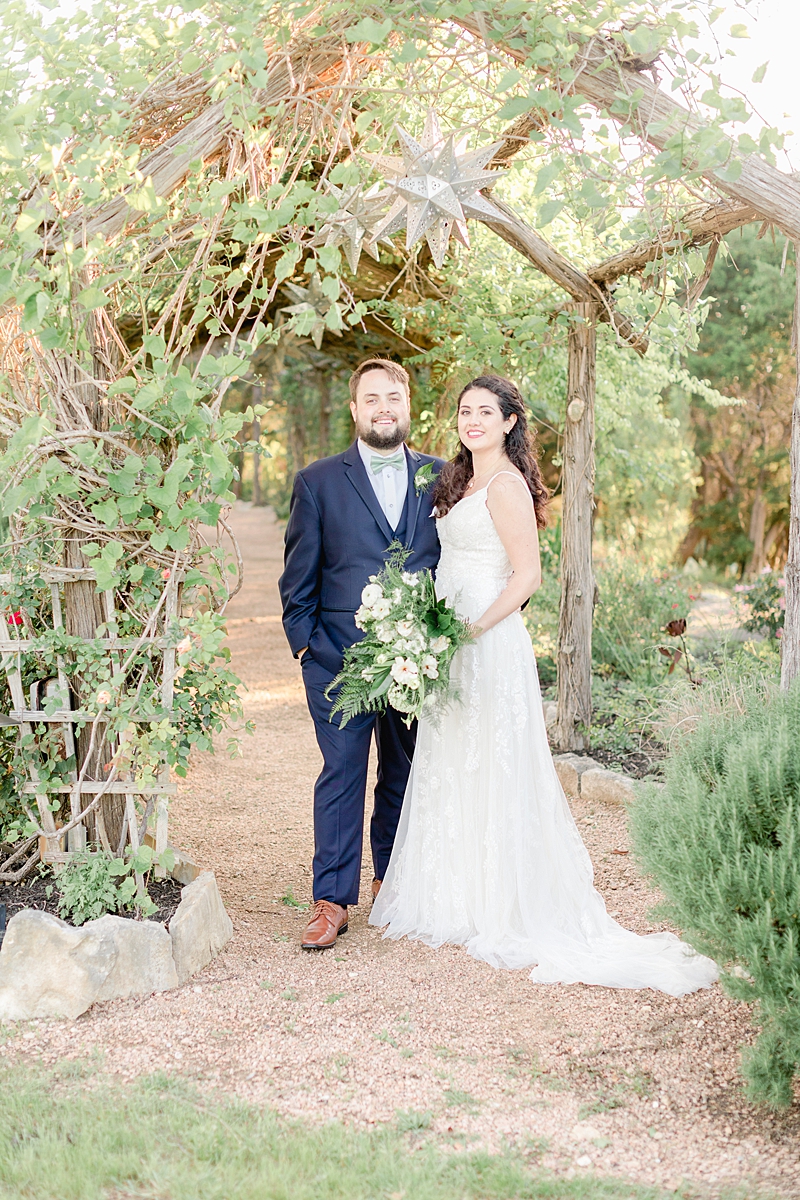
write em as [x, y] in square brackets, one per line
[324, 390]
[571, 731]
[790, 648]
[758, 528]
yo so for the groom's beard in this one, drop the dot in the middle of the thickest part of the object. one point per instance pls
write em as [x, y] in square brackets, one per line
[388, 437]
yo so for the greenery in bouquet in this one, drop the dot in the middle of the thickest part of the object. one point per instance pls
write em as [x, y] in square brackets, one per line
[409, 641]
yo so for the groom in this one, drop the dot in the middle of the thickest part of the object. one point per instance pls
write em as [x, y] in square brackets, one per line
[344, 512]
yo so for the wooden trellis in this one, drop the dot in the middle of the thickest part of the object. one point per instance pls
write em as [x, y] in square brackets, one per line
[57, 843]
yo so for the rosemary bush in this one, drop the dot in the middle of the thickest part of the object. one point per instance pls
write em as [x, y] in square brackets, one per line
[722, 839]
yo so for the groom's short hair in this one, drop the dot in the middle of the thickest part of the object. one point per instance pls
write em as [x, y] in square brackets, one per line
[394, 370]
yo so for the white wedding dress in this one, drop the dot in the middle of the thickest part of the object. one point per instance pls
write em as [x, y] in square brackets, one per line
[487, 853]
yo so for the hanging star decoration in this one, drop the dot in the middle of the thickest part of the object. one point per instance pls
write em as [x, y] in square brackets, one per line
[351, 226]
[436, 187]
[313, 302]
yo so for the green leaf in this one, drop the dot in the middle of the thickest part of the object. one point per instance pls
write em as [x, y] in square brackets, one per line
[371, 31]
[411, 53]
[154, 344]
[549, 211]
[286, 263]
[731, 172]
[546, 175]
[739, 31]
[93, 297]
[159, 539]
[514, 107]
[760, 72]
[509, 79]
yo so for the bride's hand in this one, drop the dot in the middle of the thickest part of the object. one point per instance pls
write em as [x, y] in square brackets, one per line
[475, 628]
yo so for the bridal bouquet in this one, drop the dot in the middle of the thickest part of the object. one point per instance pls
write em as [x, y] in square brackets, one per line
[405, 655]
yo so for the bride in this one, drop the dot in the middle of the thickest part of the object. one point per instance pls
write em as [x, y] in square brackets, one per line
[487, 853]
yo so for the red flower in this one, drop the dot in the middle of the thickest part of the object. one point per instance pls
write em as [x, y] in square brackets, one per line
[15, 618]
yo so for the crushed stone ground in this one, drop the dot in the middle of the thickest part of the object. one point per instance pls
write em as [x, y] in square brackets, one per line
[580, 1079]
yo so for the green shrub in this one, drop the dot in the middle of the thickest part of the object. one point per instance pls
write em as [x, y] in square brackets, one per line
[92, 885]
[722, 839]
[633, 607]
[764, 604]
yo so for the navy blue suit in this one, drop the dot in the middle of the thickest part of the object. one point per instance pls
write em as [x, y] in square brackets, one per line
[336, 537]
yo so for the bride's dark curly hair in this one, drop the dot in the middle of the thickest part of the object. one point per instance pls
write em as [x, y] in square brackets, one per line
[519, 447]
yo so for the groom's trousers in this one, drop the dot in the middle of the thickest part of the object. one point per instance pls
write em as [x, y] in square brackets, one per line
[340, 790]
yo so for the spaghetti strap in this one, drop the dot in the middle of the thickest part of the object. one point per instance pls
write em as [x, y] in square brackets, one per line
[513, 475]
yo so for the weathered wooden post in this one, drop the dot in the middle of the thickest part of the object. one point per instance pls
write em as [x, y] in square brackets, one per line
[571, 731]
[790, 648]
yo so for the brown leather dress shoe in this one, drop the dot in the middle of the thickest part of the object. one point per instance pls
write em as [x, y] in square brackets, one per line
[327, 922]
[376, 887]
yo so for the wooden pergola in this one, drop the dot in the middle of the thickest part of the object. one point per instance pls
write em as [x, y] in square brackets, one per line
[603, 73]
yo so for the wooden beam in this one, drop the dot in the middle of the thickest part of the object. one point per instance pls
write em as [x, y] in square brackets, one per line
[574, 713]
[699, 225]
[291, 74]
[575, 282]
[605, 77]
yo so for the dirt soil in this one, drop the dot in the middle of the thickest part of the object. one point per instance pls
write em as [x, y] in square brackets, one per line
[39, 891]
[582, 1079]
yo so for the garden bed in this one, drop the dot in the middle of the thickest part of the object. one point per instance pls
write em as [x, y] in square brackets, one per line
[39, 891]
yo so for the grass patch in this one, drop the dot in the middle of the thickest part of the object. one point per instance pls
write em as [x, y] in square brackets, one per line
[66, 1139]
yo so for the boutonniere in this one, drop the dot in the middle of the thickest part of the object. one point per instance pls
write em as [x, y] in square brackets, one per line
[424, 478]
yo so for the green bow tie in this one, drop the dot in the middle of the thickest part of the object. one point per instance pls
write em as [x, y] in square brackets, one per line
[378, 463]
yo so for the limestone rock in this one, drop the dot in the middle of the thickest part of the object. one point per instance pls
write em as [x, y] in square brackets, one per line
[49, 969]
[550, 711]
[144, 960]
[200, 927]
[570, 769]
[606, 787]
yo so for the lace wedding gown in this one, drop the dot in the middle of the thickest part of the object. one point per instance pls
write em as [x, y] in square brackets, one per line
[487, 853]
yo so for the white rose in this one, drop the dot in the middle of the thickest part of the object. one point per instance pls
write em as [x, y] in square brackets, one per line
[103, 697]
[409, 578]
[371, 594]
[381, 608]
[430, 667]
[406, 672]
[361, 615]
[439, 644]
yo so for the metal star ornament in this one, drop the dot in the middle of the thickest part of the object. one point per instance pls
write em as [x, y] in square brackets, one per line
[313, 301]
[436, 188]
[351, 226]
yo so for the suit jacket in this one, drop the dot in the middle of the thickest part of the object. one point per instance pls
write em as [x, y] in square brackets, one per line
[336, 537]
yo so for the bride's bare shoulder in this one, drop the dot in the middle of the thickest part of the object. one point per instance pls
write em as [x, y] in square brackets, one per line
[505, 487]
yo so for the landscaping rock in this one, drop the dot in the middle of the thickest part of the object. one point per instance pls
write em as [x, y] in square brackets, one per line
[606, 787]
[143, 962]
[570, 769]
[550, 711]
[49, 969]
[200, 927]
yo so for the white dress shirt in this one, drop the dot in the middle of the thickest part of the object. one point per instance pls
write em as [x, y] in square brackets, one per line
[390, 486]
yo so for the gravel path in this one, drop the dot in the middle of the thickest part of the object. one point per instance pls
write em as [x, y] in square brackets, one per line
[582, 1079]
